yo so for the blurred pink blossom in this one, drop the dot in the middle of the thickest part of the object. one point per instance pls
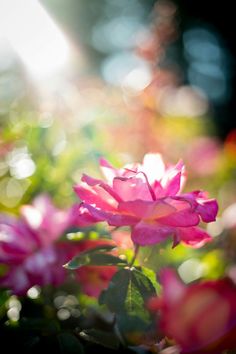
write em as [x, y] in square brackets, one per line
[201, 317]
[48, 221]
[148, 198]
[30, 262]
[31, 248]
[203, 155]
[27, 246]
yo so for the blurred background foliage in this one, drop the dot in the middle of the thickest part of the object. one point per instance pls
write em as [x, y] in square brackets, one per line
[136, 77]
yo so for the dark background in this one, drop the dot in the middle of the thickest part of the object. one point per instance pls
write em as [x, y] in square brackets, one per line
[221, 17]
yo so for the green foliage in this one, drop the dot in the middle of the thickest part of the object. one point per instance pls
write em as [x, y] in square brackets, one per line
[127, 296]
[128, 292]
[97, 259]
[95, 256]
[3, 299]
[69, 344]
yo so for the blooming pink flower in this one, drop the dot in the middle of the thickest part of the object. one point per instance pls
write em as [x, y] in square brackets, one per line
[31, 248]
[201, 317]
[204, 156]
[148, 198]
[27, 246]
[48, 221]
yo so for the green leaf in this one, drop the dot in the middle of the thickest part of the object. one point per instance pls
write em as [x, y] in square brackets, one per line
[101, 248]
[126, 296]
[128, 293]
[84, 258]
[68, 343]
[3, 297]
[152, 277]
[129, 325]
[98, 259]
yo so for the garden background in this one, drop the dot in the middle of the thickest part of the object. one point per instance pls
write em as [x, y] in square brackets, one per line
[81, 80]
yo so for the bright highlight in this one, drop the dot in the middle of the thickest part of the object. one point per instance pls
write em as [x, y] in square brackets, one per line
[34, 36]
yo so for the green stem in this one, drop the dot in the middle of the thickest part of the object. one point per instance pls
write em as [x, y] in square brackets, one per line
[136, 249]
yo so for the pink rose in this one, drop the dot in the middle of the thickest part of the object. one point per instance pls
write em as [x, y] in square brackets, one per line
[147, 197]
[201, 317]
[31, 248]
[28, 246]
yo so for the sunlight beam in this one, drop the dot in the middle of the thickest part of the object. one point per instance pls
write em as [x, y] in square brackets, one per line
[34, 36]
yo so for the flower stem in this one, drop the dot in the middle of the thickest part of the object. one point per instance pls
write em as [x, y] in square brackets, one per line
[136, 249]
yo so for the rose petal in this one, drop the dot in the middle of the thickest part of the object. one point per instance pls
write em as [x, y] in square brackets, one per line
[97, 182]
[193, 236]
[208, 210]
[112, 219]
[108, 170]
[153, 166]
[183, 218]
[97, 196]
[149, 234]
[131, 188]
[145, 209]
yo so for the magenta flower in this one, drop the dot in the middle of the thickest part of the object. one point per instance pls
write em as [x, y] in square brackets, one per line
[28, 249]
[48, 221]
[147, 197]
[32, 250]
[201, 317]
